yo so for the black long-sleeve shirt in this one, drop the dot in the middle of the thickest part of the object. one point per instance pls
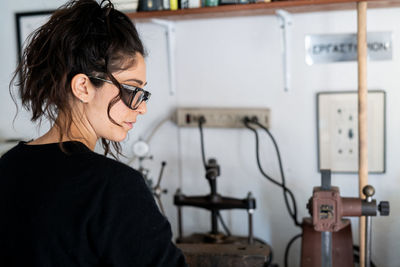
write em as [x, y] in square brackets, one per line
[78, 209]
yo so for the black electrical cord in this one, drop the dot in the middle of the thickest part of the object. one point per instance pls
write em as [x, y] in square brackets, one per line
[286, 191]
[288, 248]
[202, 120]
[292, 213]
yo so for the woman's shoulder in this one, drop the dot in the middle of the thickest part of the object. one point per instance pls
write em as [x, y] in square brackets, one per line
[118, 173]
[9, 153]
[76, 161]
[106, 164]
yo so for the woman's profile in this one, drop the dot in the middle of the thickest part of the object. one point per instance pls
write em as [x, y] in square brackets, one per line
[61, 203]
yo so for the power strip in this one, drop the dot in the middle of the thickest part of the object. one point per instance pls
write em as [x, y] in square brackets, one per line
[220, 117]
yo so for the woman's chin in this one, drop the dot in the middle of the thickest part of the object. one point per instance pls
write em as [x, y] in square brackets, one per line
[121, 138]
[118, 137]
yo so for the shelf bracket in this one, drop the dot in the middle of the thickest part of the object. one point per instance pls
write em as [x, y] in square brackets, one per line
[169, 27]
[285, 20]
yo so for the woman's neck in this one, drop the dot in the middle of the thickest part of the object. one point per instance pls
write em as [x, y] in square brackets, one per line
[76, 132]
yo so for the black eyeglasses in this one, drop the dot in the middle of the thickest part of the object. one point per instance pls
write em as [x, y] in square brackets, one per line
[132, 96]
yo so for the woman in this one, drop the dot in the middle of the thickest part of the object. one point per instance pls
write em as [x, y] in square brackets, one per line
[61, 204]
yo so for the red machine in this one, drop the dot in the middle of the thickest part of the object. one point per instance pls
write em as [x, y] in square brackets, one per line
[327, 238]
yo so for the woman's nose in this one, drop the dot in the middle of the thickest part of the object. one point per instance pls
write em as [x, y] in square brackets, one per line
[142, 109]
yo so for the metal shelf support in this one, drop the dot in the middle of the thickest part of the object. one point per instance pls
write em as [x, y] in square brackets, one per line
[169, 27]
[285, 20]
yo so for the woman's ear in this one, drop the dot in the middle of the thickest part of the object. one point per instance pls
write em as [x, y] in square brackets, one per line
[82, 88]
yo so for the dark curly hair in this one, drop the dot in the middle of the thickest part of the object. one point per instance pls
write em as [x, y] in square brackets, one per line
[81, 36]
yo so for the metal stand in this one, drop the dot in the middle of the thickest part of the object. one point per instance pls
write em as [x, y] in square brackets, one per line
[156, 190]
[368, 191]
[250, 212]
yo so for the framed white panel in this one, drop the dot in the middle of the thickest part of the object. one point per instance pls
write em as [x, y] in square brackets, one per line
[337, 120]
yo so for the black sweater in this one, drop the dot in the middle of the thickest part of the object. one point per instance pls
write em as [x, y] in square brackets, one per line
[78, 209]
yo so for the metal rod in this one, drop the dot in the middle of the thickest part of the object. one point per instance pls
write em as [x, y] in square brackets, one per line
[368, 238]
[362, 114]
[161, 173]
[326, 249]
[368, 232]
[251, 236]
[326, 179]
[214, 221]
[180, 232]
[214, 212]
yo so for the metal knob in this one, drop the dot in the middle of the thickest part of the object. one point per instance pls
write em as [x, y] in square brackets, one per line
[212, 169]
[368, 191]
[384, 208]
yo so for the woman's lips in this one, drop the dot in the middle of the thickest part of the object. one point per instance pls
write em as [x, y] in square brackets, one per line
[129, 124]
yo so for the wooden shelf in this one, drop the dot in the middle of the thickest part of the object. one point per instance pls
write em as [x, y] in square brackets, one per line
[292, 6]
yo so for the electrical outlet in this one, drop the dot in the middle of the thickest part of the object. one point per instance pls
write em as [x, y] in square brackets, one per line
[338, 131]
[220, 117]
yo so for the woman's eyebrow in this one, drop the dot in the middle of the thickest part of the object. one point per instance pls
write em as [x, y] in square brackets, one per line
[140, 82]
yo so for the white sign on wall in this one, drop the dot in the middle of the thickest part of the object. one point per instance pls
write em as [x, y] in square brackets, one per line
[326, 48]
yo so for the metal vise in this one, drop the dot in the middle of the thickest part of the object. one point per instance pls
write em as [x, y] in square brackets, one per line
[327, 209]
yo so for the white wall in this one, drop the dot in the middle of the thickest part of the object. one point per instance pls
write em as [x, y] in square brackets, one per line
[236, 62]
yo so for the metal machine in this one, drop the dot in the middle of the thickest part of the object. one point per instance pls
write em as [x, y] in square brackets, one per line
[141, 151]
[327, 239]
[215, 248]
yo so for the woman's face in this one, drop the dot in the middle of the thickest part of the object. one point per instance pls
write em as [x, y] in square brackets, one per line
[96, 110]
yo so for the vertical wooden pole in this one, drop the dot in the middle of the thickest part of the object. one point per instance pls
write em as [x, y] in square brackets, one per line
[362, 115]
